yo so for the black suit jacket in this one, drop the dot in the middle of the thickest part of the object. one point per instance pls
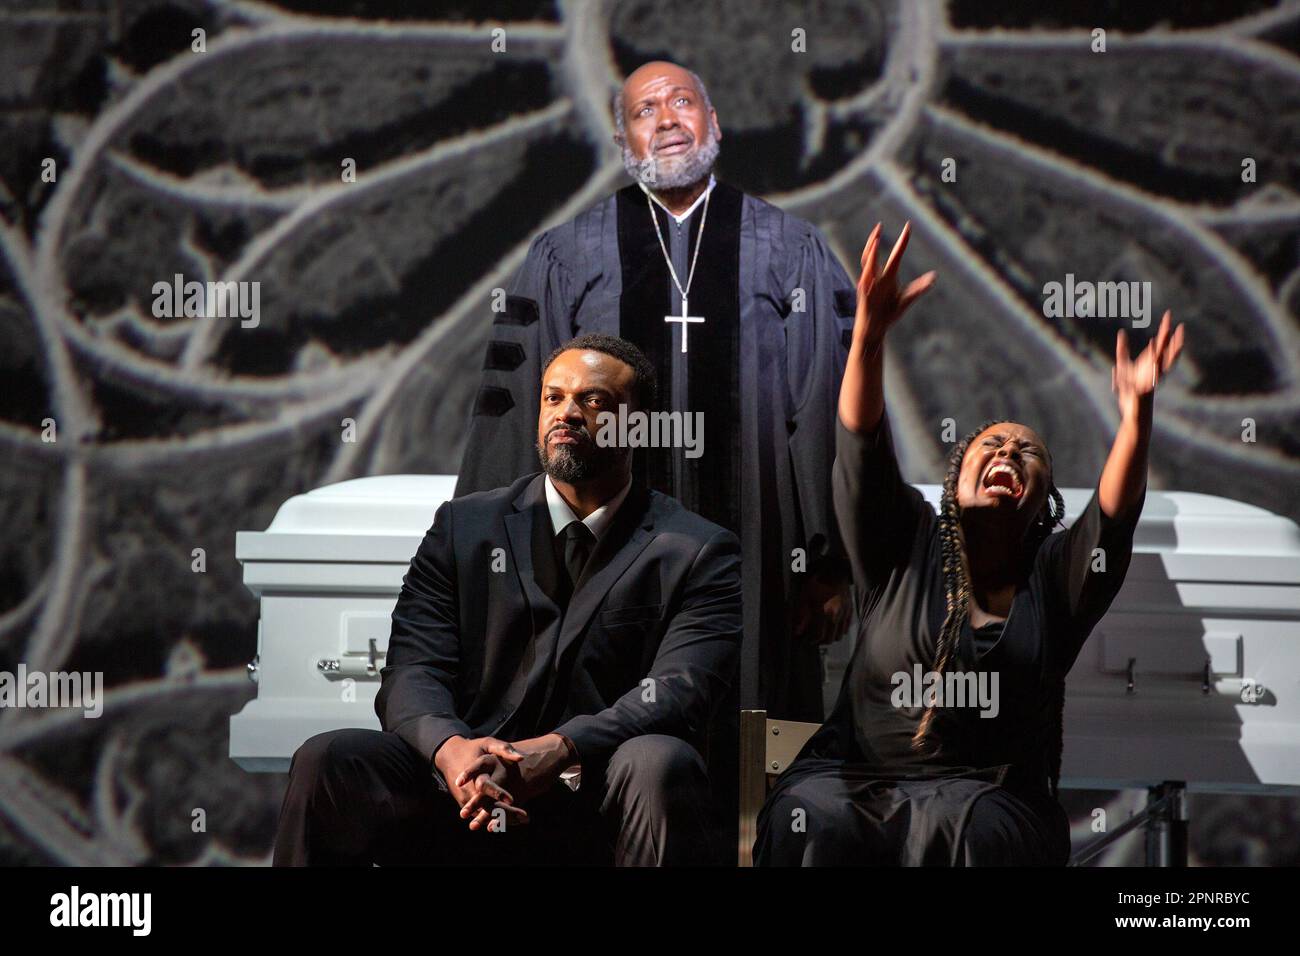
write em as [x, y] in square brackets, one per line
[479, 646]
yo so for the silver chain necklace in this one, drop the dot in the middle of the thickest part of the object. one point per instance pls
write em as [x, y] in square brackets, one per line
[699, 241]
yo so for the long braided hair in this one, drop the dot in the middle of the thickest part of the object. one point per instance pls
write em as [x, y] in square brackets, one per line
[956, 581]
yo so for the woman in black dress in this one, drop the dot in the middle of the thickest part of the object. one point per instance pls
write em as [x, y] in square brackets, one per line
[982, 603]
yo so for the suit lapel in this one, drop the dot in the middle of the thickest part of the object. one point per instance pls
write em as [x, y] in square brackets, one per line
[633, 529]
[520, 526]
[530, 507]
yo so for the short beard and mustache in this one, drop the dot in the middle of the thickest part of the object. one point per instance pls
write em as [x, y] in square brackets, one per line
[574, 464]
[674, 172]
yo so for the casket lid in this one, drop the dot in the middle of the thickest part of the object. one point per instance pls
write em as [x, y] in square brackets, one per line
[380, 518]
[385, 503]
[1189, 522]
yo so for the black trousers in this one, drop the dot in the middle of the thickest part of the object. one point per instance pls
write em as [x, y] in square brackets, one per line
[360, 797]
[833, 814]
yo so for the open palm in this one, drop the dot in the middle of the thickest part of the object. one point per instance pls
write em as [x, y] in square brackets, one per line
[1132, 380]
[880, 304]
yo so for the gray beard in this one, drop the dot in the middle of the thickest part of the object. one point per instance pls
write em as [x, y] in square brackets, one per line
[675, 172]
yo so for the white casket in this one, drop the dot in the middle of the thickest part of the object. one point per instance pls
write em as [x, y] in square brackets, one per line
[1213, 583]
[1193, 675]
[326, 573]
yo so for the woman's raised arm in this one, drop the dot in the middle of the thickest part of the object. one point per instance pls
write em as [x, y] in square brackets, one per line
[878, 513]
[1124, 477]
[880, 305]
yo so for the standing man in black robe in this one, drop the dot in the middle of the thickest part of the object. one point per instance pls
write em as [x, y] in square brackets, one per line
[745, 313]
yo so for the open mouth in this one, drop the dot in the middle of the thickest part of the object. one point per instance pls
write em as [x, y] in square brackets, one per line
[1002, 480]
[673, 146]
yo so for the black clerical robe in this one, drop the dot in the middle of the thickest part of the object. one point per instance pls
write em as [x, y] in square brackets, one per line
[764, 368]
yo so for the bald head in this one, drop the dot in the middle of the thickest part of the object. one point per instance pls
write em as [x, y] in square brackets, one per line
[657, 70]
[666, 126]
[649, 76]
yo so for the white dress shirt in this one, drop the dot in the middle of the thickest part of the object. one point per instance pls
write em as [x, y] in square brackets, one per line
[695, 205]
[597, 523]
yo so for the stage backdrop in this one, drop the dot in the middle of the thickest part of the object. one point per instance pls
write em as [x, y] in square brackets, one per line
[377, 168]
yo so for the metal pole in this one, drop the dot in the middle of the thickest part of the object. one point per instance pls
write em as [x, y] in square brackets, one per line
[1166, 843]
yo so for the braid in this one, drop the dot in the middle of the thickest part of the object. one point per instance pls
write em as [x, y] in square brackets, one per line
[956, 582]
[1043, 528]
[1039, 532]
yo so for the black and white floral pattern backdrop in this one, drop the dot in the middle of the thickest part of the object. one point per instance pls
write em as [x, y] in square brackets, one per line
[173, 433]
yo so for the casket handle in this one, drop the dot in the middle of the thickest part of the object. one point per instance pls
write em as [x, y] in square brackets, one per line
[351, 665]
[1132, 666]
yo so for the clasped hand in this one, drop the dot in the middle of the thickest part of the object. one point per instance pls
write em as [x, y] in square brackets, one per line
[486, 775]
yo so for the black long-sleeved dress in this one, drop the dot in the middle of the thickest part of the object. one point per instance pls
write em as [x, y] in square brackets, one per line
[857, 792]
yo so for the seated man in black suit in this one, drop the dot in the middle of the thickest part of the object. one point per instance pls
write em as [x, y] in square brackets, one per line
[556, 653]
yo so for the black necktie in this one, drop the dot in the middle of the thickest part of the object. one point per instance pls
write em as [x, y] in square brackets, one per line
[578, 544]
